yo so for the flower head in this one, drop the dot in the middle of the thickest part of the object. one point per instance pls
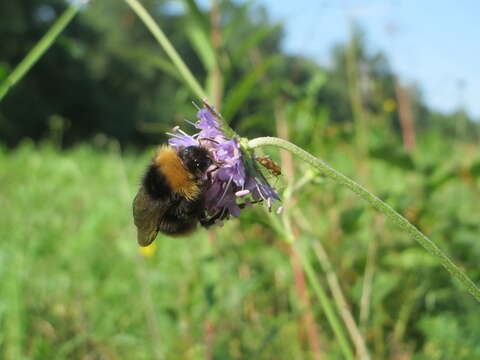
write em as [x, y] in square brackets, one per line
[233, 182]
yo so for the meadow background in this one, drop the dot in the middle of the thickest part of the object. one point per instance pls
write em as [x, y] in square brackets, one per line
[326, 279]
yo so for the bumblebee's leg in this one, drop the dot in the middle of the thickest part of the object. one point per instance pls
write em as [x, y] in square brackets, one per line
[222, 214]
[206, 222]
[243, 206]
[209, 173]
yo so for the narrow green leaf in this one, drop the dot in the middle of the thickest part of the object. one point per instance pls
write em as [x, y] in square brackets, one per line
[240, 17]
[39, 49]
[253, 40]
[244, 88]
[197, 15]
[202, 45]
[155, 60]
[475, 169]
[198, 32]
[394, 156]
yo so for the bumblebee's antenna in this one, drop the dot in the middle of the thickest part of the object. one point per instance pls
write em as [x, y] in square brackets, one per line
[209, 139]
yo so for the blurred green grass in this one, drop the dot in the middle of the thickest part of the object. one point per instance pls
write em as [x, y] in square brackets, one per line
[74, 286]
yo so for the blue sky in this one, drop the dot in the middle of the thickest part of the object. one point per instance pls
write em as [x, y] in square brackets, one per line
[435, 43]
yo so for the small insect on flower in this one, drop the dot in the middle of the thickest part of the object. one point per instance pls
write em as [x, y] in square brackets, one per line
[202, 178]
[270, 165]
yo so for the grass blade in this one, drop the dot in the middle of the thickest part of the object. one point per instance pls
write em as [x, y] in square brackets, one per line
[243, 90]
[198, 33]
[327, 307]
[168, 47]
[39, 49]
[253, 40]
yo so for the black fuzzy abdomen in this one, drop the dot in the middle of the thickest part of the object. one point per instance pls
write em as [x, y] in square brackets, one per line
[155, 184]
[182, 216]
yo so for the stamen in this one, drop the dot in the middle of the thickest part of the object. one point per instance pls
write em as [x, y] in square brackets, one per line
[196, 106]
[174, 135]
[241, 193]
[226, 188]
[183, 132]
[189, 122]
[260, 192]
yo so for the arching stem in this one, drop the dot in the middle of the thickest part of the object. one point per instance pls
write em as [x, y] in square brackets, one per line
[378, 204]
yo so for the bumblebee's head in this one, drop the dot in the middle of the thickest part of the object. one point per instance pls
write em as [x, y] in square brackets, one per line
[196, 159]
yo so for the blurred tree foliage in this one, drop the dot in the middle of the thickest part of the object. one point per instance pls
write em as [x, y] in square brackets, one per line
[106, 74]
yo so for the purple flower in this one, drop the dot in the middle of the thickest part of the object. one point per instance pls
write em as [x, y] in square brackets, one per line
[231, 184]
[228, 154]
[208, 124]
[179, 141]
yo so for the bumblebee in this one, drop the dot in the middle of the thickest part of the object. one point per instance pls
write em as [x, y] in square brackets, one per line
[171, 197]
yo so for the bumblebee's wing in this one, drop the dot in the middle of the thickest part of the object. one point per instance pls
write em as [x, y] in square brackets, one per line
[146, 215]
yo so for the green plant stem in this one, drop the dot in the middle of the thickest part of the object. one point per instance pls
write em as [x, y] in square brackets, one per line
[340, 301]
[183, 69]
[168, 47]
[327, 307]
[354, 93]
[285, 231]
[39, 49]
[378, 204]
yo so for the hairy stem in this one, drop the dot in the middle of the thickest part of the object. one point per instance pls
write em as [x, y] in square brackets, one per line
[378, 204]
[39, 49]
